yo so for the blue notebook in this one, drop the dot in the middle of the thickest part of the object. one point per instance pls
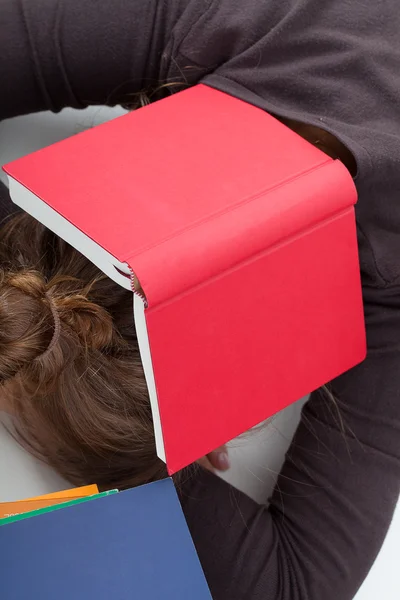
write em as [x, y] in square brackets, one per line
[134, 545]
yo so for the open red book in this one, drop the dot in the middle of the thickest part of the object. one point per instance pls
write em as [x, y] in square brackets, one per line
[242, 236]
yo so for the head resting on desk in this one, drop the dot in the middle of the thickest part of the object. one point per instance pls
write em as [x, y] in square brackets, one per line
[70, 368]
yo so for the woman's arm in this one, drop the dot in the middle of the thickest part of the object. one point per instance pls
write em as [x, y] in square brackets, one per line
[57, 53]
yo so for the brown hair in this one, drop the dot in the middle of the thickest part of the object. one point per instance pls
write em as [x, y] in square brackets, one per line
[79, 397]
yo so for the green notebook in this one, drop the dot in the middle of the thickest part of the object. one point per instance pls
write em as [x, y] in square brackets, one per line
[42, 511]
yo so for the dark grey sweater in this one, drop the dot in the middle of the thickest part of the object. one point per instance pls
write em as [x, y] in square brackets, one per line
[334, 64]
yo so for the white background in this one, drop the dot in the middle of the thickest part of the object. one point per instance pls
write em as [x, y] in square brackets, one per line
[256, 459]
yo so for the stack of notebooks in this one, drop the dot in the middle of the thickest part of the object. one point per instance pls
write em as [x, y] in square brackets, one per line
[83, 544]
[11, 512]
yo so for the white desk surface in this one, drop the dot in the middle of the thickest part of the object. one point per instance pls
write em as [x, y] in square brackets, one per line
[256, 458]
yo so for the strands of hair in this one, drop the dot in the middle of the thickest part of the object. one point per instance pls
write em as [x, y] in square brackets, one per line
[79, 399]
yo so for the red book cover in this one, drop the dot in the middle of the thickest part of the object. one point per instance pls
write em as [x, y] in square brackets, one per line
[242, 236]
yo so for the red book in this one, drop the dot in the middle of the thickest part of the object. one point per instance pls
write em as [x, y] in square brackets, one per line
[242, 236]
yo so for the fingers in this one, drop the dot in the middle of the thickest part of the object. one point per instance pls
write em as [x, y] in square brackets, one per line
[219, 459]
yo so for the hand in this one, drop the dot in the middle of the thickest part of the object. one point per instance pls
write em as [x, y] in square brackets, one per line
[217, 460]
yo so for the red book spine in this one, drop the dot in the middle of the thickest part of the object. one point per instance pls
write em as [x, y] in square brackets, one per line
[224, 240]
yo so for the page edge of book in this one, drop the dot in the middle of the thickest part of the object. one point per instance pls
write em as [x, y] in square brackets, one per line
[145, 355]
[50, 218]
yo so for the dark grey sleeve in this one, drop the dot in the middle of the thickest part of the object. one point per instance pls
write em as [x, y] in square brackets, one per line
[56, 53]
[335, 495]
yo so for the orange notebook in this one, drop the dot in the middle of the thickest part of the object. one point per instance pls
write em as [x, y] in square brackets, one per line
[8, 509]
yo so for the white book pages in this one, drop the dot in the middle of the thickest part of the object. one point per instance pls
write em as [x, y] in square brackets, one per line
[42, 212]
